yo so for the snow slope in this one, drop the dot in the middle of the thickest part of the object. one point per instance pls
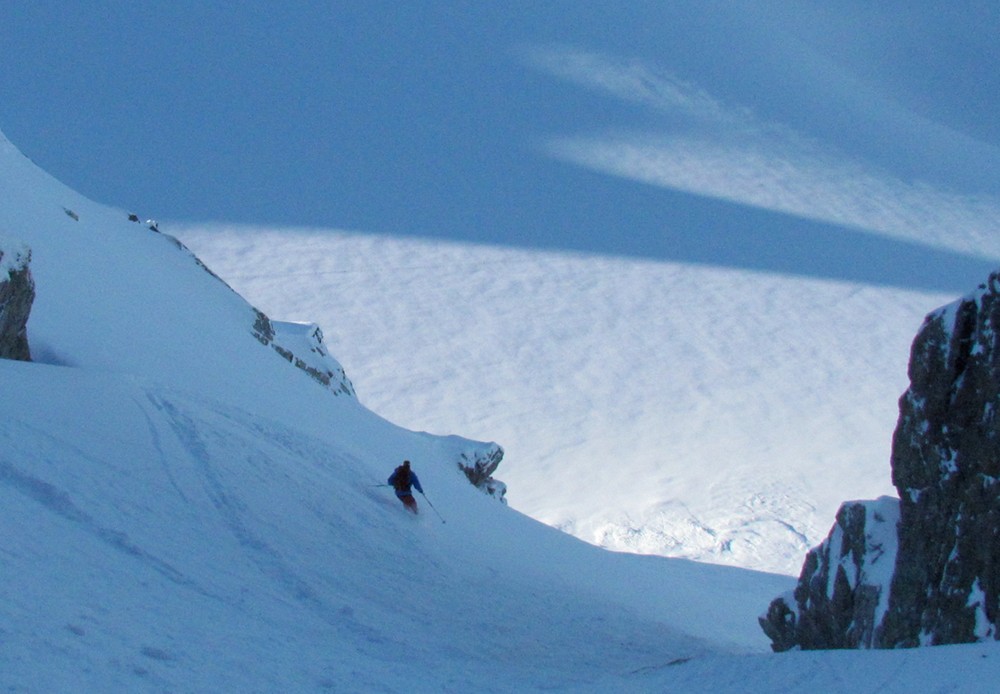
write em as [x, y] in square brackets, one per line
[661, 407]
[184, 511]
[160, 538]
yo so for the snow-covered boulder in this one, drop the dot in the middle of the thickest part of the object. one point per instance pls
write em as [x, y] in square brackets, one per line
[17, 293]
[944, 586]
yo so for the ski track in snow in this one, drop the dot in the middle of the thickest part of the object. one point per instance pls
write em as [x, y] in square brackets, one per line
[235, 519]
[56, 501]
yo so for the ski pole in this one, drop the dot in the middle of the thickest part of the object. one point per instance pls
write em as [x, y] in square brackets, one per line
[432, 506]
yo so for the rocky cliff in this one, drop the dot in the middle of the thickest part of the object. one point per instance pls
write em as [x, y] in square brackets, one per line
[944, 586]
[17, 293]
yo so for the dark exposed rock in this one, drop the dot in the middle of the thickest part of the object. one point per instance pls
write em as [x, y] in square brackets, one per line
[843, 588]
[479, 465]
[945, 583]
[945, 465]
[17, 293]
[780, 623]
[262, 329]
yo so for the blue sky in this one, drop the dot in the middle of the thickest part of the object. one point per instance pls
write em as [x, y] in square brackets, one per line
[832, 140]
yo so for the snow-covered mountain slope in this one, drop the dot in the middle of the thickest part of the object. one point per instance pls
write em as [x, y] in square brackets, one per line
[162, 541]
[650, 406]
[160, 537]
[182, 510]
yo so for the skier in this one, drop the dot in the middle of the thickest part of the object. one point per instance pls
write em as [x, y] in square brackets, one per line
[402, 478]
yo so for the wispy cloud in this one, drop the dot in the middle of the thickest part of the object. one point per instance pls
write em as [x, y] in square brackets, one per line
[726, 152]
[631, 80]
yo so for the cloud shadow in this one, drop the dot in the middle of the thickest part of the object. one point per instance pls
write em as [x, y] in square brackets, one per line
[573, 209]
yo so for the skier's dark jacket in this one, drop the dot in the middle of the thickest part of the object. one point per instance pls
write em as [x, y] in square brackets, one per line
[405, 491]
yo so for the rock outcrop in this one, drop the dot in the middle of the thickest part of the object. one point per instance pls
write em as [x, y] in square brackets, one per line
[843, 589]
[945, 582]
[479, 464]
[17, 293]
[301, 344]
[945, 466]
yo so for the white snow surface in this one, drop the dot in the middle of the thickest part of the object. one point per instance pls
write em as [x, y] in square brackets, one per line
[716, 414]
[13, 256]
[182, 510]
